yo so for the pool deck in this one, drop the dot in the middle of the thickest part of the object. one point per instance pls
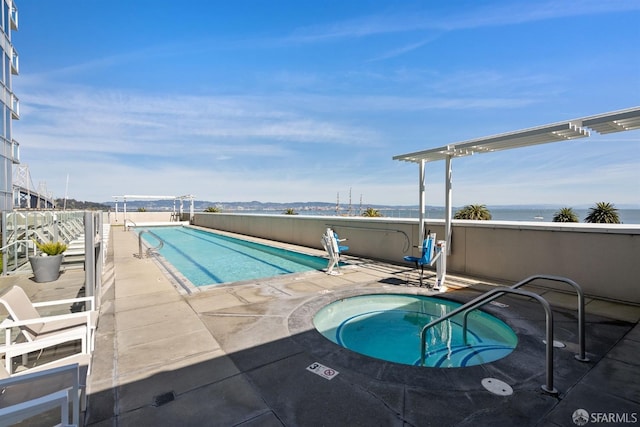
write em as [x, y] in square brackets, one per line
[239, 355]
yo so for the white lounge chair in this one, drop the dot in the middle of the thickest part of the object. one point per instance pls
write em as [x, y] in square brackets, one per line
[28, 395]
[50, 330]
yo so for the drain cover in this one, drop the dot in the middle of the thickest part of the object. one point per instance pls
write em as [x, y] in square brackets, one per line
[496, 386]
[163, 399]
[499, 304]
[556, 344]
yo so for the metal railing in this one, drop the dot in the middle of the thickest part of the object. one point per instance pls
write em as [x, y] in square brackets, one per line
[15, 254]
[497, 293]
[154, 248]
[581, 332]
[407, 244]
[20, 226]
[94, 254]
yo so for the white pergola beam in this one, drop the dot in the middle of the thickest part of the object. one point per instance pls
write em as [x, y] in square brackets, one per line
[615, 121]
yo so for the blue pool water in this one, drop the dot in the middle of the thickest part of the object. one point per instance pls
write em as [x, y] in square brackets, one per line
[387, 327]
[206, 258]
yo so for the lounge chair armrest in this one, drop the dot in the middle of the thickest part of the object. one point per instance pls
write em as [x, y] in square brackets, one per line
[61, 370]
[8, 323]
[18, 412]
[30, 346]
[66, 301]
[66, 392]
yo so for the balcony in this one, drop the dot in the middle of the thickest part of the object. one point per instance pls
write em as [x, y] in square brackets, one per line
[15, 60]
[15, 107]
[15, 152]
[13, 17]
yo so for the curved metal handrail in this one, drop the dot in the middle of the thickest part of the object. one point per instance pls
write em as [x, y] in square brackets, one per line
[126, 226]
[155, 248]
[581, 332]
[406, 247]
[548, 387]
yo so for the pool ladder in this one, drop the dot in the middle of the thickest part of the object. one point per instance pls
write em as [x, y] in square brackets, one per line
[500, 291]
[150, 249]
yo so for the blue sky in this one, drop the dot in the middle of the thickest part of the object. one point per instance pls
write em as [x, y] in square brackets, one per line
[301, 100]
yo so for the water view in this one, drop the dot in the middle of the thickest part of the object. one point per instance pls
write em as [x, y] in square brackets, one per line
[627, 216]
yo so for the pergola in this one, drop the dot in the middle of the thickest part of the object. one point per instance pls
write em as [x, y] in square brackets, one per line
[616, 121]
[144, 197]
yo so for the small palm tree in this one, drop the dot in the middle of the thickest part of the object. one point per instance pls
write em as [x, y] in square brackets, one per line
[142, 209]
[290, 211]
[565, 215]
[477, 212]
[603, 213]
[372, 213]
[213, 209]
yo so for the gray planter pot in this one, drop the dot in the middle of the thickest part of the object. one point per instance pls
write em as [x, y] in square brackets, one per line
[46, 268]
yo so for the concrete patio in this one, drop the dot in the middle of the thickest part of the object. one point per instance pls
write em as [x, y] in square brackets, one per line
[238, 355]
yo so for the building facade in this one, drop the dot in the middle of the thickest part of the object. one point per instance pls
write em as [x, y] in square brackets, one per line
[9, 104]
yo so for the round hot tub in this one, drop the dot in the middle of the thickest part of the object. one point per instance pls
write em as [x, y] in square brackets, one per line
[388, 326]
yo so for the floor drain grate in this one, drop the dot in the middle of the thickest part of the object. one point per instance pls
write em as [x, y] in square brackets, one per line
[164, 398]
[556, 344]
[496, 386]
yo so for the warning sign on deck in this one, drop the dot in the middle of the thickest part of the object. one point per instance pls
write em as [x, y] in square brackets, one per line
[323, 371]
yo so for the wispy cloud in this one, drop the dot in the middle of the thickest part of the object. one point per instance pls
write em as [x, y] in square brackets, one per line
[403, 50]
[113, 121]
[495, 14]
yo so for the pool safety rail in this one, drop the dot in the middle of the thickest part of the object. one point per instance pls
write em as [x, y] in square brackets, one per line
[500, 291]
[150, 249]
[407, 244]
[128, 224]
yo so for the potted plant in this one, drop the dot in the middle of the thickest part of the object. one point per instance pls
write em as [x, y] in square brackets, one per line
[46, 265]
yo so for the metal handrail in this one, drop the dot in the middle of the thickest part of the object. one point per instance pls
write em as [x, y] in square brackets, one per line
[29, 243]
[126, 227]
[406, 247]
[548, 387]
[156, 248]
[16, 244]
[581, 331]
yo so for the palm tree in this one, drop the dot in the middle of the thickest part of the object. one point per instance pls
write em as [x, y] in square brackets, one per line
[477, 212]
[603, 213]
[290, 211]
[565, 215]
[214, 209]
[371, 213]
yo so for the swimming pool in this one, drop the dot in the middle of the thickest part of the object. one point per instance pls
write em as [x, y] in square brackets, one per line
[207, 258]
[388, 326]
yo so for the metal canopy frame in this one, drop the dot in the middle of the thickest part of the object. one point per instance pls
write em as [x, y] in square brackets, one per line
[615, 121]
[146, 197]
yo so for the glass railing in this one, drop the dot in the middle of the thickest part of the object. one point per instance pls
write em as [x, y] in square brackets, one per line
[14, 18]
[15, 107]
[15, 60]
[21, 228]
[15, 151]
